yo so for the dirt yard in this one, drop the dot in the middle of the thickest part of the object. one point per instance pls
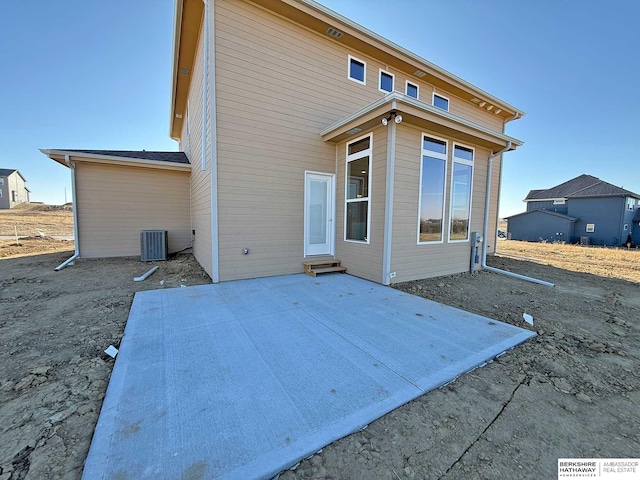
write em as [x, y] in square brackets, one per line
[31, 219]
[573, 391]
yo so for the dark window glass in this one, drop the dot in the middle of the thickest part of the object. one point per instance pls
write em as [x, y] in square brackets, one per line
[412, 90]
[357, 221]
[464, 153]
[358, 178]
[359, 146]
[440, 102]
[386, 82]
[356, 70]
[434, 145]
[460, 202]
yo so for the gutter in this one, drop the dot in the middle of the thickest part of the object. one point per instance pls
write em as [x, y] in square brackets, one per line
[75, 215]
[487, 204]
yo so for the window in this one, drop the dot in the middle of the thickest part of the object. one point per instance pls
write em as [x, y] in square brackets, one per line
[591, 227]
[440, 102]
[559, 201]
[411, 90]
[1, 181]
[460, 203]
[630, 203]
[357, 70]
[358, 189]
[13, 196]
[386, 81]
[433, 171]
[626, 227]
[0, 193]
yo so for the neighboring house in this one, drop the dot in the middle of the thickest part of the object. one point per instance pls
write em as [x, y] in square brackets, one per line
[279, 107]
[13, 190]
[584, 209]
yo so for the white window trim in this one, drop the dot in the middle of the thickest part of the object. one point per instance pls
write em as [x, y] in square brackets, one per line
[440, 156]
[349, 158]
[462, 161]
[1, 181]
[433, 98]
[559, 201]
[590, 228]
[393, 80]
[364, 82]
[406, 89]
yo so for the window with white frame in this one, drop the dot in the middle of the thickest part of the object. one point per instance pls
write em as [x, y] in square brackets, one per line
[591, 227]
[440, 101]
[0, 193]
[631, 203]
[386, 81]
[357, 70]
[559, 201]
[433, 172]
[461, 183]
[412, 89]
[358, 189]
[1, 181]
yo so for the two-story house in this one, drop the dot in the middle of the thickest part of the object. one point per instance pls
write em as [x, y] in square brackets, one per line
[584, 209]
[13, 190]
[302, 136]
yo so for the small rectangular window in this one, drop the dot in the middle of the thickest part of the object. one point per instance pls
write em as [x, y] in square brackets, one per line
[440, 102]
[626, 227]
[13, 196]
[0, 193]
[1, 181]
[412, 90]
[560, 201]
[386, 81]
[631, 203]
[357, 70]
[591, 227]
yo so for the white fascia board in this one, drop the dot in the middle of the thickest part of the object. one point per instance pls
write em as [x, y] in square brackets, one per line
[450, 76]
[400, 97]
[113, 160]
[177, 31]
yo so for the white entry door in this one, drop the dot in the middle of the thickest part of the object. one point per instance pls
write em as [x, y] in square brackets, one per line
[318, 213]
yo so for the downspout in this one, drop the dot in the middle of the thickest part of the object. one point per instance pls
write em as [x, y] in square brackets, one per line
[487, 205]
[388, 209]
[76, 242]
[205, 68]
[211, 134]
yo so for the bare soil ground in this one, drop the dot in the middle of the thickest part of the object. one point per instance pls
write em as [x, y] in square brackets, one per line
[573, 391]
[31, 219]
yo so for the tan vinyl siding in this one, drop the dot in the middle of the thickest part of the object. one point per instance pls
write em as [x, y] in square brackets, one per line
[364, 260]
[409, 260]
[200, 179]
[115, 203]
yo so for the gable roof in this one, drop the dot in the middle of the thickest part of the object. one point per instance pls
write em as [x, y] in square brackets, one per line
[5, 172]
[545, 212]
[580, 187]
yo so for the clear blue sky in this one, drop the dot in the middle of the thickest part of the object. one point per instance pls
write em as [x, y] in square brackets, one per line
[83, 74]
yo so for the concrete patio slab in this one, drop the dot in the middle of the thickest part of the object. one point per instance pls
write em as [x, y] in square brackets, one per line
[243, 379]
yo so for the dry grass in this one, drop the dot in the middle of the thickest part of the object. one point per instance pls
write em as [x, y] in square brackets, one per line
[609, 262]
[37, 219]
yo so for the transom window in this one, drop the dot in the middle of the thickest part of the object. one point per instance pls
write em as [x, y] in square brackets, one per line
[358, 190]
[433, 171]
[461, 183]
[386, 81]
[440, 101]
[357, 70]
[411, 90]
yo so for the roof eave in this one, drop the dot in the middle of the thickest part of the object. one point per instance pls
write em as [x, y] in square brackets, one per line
[60, 155]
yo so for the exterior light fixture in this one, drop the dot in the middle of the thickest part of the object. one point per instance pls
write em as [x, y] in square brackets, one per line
[396, 118]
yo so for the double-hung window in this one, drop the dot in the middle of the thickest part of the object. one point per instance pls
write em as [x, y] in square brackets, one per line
[433, 171]
[357, 210]
[461, 183]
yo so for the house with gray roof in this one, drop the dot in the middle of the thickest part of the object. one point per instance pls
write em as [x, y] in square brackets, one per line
[13, 190]
[584, 209]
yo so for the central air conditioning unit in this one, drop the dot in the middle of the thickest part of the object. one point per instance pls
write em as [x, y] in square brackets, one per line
[153, 245]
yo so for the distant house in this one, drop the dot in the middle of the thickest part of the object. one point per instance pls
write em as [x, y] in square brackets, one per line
[12, 188]
[584, 209]
[304, 137]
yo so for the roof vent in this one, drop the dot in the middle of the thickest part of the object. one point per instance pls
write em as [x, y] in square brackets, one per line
[184, 71]
[353, 131]
[419, 73]
[334, 32]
